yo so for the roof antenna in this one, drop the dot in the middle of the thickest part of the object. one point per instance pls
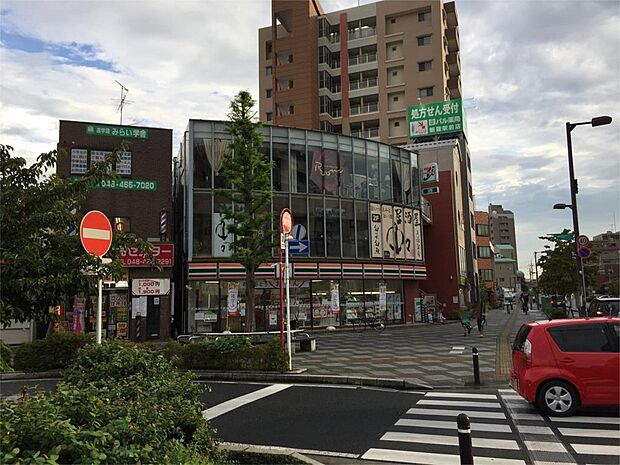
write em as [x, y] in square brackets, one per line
[124, 91]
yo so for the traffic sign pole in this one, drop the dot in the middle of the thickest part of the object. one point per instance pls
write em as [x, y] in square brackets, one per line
[99, 305]
[288, 307]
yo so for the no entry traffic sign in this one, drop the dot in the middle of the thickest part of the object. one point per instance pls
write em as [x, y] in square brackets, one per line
[286, 220]
[96, 233]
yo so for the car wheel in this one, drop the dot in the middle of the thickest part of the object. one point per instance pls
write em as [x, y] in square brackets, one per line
[557, 398]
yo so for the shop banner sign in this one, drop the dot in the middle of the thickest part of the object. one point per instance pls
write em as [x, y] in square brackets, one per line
[222, 239]
[150, 287]
[430, 173]
[116, 131]
[163, 253]
[335, 299]
[418, 249]
[408, 216]
[418, 310]
[139, 307]
[376, 243]
[78, 315]
[382, 298]
[126, 184]
[432, 119]
[233, 299]
[398, 233]
[387, 221]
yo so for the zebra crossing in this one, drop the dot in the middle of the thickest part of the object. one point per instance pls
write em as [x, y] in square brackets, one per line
[506, 430]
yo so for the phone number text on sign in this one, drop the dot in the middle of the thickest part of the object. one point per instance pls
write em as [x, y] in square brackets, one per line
[163, 253]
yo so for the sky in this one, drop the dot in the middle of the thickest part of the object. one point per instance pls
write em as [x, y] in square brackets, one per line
[528, 67]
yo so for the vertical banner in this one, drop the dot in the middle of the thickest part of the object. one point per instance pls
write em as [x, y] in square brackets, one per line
[233, 299]
[376, 243]
[221, 237]
[418, 304]
[78, 315]
[399, 232]
[387, 223]
[418, 248]
[408, 224]
[335, 299]
[382, 298]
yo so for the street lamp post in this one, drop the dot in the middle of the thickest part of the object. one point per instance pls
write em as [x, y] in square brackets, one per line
[597, 121]
[538, 302]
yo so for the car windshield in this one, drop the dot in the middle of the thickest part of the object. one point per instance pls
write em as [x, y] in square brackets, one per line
[521, 337]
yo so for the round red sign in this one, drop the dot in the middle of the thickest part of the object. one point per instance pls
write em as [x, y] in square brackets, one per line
[96, 233]
[286, 221]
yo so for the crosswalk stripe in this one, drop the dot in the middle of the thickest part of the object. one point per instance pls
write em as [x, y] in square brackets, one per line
[528, 429]
[545, 446]
[452, 425]
[597, 420]
[591, 433]
[527, 416]
[225, 407]
[449, 440]
[426, 458]
[596, 449]
[454, 413]
[459, 403]
[461, 395]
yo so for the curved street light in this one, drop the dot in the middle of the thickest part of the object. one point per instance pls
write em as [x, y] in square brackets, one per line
[596, 121]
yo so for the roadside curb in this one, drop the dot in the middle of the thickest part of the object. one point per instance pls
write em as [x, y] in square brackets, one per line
[277, 450]
[295, 376]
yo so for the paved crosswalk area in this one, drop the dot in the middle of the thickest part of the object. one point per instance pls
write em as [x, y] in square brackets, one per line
[506, 430]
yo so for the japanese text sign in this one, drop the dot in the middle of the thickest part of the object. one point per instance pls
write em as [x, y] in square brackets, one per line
[432, 119]
[116, 131]
[163, 253]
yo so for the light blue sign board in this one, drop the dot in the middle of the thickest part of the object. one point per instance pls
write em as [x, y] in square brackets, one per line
[299, 247]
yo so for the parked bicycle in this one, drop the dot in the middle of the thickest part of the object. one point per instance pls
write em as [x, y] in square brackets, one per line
[371, 320]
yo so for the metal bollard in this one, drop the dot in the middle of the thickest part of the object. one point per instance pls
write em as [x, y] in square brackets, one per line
[474, 355]
[465, 448]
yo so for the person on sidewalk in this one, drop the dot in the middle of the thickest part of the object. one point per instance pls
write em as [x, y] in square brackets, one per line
[466, 323]
[508, 303]
[481, 320]
[525, 301]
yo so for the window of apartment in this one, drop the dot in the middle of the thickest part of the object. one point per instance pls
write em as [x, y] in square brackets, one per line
[269, 116]
[424, 16]
[484, 251]
[424, 40]
[482, 229]
[396, 124]
[268, 71]
[393, 20]
[396, 98]
[268, 93]
[425, 65]
[426, 92]
[268, 49]
[486, 275]
[79, 161]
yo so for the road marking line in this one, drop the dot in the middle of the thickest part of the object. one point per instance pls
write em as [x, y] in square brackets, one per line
[459, 403]
[596, 449]
[528, 429]
[458, 347]
[544, 446]
[240, 401]
[450, 425]
[461, 395]
[527, 416]
[597, 420]
[90, 233]
[454, 413]
[591, 433]
[426, 458]
[455, 352]
[449, 440]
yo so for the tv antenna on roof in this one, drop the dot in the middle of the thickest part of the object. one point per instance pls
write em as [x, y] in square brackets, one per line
[122, 103]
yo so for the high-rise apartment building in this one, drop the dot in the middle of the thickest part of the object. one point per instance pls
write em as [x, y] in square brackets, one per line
[502, 226]
[356, 71]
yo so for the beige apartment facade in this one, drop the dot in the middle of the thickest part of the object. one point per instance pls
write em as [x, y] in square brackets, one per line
[356, 71]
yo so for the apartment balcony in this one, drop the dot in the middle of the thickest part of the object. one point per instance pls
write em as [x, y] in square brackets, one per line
[361, 59]
[454, 84]
[332, 113]
[427, 211]
[366, 133]
[454, 63]
[365, 108]
[362, 33]
[363, 84]
[454, 41]
[452, 17]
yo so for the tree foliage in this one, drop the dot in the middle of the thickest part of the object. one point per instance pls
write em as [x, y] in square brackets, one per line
[559, 265]
[40, 262]
[248, 173]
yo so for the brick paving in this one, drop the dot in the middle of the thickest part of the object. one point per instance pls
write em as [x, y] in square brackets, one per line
[433, 355]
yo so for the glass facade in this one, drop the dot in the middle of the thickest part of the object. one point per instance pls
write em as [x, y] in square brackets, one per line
[332, 183]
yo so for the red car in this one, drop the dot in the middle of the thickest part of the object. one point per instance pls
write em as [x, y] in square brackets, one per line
[560, 365]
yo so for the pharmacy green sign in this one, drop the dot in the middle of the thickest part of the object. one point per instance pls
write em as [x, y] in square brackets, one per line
[116, 131]
[431, 119]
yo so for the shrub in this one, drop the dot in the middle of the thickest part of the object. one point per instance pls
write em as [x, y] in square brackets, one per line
[118, 403]
[227, 344]
[209, 356]
[5, 358]
[55, 351]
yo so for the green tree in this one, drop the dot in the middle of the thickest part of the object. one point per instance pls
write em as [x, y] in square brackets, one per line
[40, 263]
[559, 267]
[248, 216]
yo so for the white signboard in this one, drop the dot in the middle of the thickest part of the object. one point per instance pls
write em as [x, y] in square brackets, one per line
[376, 242]
[138, 307]
[418, 248]
[233, 299]
[387, 221]
[150, 287]
[335, 299]
[382, 297]
[430, 172]
[408, 217]
[221, 237]
[399, 239]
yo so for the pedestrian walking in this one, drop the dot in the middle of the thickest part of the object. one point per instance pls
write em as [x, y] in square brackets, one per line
[525, 301]
[481, 320]
[466, 323]
[508, 303]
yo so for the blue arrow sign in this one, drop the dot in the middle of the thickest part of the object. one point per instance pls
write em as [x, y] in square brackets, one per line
[299, 247]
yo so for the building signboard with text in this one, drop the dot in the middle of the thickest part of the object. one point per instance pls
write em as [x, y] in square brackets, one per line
[431, 119]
